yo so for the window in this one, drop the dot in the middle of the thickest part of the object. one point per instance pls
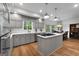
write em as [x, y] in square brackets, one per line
[47, 28]
[28, 25]
[50, 28]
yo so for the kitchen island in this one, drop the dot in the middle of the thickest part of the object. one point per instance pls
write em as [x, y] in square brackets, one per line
[48, 43]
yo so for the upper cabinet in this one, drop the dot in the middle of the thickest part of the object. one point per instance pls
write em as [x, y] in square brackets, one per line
[16, 24]
[38, 25]
[4, 19]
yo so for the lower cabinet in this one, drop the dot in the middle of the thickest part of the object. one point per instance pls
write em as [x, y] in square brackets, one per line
[50, 44]
[20, 39]
[27, 38]
[32, 37]
[7, 42]
[17, 40]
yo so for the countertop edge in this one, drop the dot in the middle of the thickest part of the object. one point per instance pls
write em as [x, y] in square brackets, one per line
[50, 36]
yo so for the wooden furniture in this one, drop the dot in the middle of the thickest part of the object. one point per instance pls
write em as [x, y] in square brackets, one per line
[74, 30]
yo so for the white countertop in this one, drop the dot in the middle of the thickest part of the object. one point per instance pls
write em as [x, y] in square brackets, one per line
[23, 32]
[16, 32]
[56, 34]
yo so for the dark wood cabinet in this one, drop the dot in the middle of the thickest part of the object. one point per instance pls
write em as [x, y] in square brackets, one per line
[74, 30]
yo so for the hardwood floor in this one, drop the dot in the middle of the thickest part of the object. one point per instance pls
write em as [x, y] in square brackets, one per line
[26, 50]
[70, 48]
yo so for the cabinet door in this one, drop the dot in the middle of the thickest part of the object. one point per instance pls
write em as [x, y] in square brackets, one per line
[27, 38]
[16, 40]
[41, 25]
[7, 42]
[32, 37]
[22, 39]
[60, 41]
[16, 24]
[36, 24]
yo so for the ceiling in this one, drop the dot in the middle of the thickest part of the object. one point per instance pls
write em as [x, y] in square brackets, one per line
[64, 10]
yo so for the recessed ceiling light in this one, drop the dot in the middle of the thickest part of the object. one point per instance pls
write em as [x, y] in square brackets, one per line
[21, 3]
[40, 11]
[76, 5]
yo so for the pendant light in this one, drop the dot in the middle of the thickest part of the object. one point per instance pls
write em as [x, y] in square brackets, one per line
[46, 16]
[55, 18]
[40, 20]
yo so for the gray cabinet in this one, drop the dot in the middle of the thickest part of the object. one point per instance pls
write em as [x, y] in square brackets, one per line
[41, 25]
[48, 45]
[20, 39]
[32, 37]
[16, 24]
[16, 40]
[8, 42]
[27, 38]
[38, 25]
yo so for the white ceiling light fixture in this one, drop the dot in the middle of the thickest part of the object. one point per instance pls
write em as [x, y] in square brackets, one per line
[40, 20]
[21, 3]
[46, 16]
[56, 18]
[76, 5]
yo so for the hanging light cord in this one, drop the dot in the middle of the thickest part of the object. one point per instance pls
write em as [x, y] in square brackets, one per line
[46, 7]
[55, 13]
